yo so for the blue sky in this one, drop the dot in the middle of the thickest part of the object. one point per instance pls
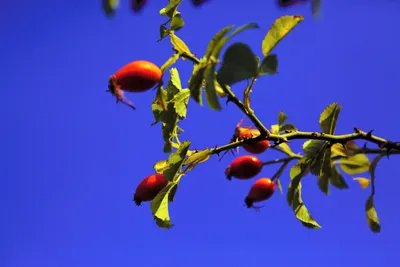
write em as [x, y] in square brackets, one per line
[71, 157]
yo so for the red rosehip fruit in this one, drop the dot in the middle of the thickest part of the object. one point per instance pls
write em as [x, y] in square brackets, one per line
[253, 148]
[136, 77]
[261, 190]
[149, 187]
[244, 167]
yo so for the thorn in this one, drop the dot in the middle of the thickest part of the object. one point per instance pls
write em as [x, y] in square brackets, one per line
[369, 134]
[357, 130]
[315, 134]
[383, 144]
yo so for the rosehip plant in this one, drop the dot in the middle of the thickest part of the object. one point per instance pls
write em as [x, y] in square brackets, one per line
[330, 158]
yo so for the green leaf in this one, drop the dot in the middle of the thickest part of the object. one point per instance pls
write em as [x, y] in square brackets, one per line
[196, 81]
[180, 46]
[239, 63]
[195, 158]
[279, 29]
[181, 101]
[110, 6]
[285, 148]
[175, 161]
[211, 93]
[329, 117]
[325, 172]
[314, 151]
[171, 9]
[297, 172]
[288, 128]
[356, 164]
[171, 196]
[275, 129]
[171, 61]
[269, 65]
[164, 32]
[177, 23]
[337, 179]
[372, 216]
[159, 207]
[161, 166]
[282, 118]
[215, 40]
[338, 150]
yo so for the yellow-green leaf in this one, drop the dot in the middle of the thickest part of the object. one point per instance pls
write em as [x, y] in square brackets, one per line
[279, 29]
[177, 23]
[159, 207]
[297, 172]
[171, 9]
[161, 166]
[215, 40]
[180, 46]
[288, 127]
[110, 6]
[301, 212]
[285, 148]
[355, 164]
[372, 216]
[325, 172]
[329, 117]
[175, 161]
[196, 82]
[364, 182]
[171, 61]
[269, 65]
[196, 158]
[282, 118]
[181, 101]
[338, 150]
[275, 129]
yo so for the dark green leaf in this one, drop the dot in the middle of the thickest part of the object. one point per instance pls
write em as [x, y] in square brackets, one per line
[164, 32]
[215, 40]
[356, 164]
[329, 117]
[211, 93]
[282, 118]
[196, 81]
[177, 23]
[337, 179]
[325, 172]
[175, 161]
[239, 63]
[372, 216]
[172, 193]
[269, 65]
[314, 151]
[288, 128]
[171, 61]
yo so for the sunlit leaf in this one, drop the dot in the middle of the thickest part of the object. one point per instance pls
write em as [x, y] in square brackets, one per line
[180, 46]
[171, 61]
[355, 164]
[181, 101]
[372, 216]
[197, 158]
[161, 99]
[364, 182]
[159, 207]
[338, 150]
[279, 29]
[314, 151]
[215, 40]
[161, 166]
[329, 117]
[278, 184]
[285, 148]
[239, 63]
[177, 23]
[275, 129]
[297, 172]
[171, 9]
[175, 161]
[269, 65]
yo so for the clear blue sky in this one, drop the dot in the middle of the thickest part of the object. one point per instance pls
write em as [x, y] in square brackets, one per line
[71, 157]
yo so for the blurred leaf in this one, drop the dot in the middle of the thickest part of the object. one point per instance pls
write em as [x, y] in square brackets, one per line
[372, 216]
[180, 46]
[177, 23]
[161, 166]
[181, 101]
[159, 207]
[196, 158]
[337, 179]
[269, 65]
[355, 164]
[171, 9]
[374, 164]
[175, 161]
[364, 182]
[316, 8]
[329, 117]
[218, 88]
[171, 61]
[288, 127]
[239, 63]
[196, 81]
[279, 29]
[278, 174]
[275, 129]
[110, 6]
[325, 172]
[278, 184]
[338, 150]
[164, 32]
[211, 93]
[282, 118]
[246, 100]
[215, 40]
[285, 148]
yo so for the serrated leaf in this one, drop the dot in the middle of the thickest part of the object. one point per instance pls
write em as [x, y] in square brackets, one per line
[364, 182]
[211, 93]
[177, 23]
[175, 161]
[196, 158]
[160, 166]
[239, 63]
[196, 82]
[110, 6]
[164, 32]
[329, 117]
[372, 216]
[181, 101]
[279, 29]
[325, 172]
[356, 164]
[171, 61]
[337, 179]
[180, 46]
[215, 40]
[269, 65]
[171, 9]
[159, 207]
[174, 85]
[288, 128]
[282, 118]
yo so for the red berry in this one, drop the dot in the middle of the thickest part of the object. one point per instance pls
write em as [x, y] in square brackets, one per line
[244, 167]
[137, 76]
[261, 190]
[149, 187]
[255, 148]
